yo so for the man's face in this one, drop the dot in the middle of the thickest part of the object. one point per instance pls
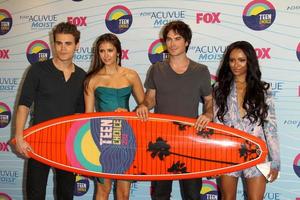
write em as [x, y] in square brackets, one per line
[176, 44]
[65, 46]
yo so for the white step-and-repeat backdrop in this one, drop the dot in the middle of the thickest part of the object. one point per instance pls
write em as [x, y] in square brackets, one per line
[271, 26]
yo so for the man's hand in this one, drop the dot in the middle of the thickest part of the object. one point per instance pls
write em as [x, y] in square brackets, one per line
[142, 112]
[22, 147]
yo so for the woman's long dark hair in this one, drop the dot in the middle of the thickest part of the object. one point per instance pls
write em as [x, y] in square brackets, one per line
[254, 100]
[97, 63]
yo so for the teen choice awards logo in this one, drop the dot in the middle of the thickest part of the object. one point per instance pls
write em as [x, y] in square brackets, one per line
[38, 51]
[157, 51]
[209, 190]
[5, 115]
[118, 19]
[82, 185]
[296, 165]
[259, 15]
[298, 51]
[5, 21]
[101, 145]
[4, 196]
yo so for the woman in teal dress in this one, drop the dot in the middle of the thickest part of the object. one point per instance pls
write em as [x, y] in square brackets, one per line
[108, 87]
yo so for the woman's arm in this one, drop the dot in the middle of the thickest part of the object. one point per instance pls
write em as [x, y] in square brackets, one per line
[270, 129]
[89, 98]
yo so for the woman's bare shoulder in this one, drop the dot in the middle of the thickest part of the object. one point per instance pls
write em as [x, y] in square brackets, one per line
[129, 71]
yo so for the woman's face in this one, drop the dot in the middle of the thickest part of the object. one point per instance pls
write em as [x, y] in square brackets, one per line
[238, 63]
[108, 53]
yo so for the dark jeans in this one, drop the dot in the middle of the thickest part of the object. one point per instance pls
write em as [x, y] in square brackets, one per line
[37, 177]
[189, 189]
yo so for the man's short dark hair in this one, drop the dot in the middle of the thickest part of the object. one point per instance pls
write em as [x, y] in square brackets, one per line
[66, 28]
[180, 28]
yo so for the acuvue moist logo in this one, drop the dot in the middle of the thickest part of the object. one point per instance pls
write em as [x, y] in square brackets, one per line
[161, 17]
[293, 8]
[277, 88]
[40, 22]
[86, 53]
[8, 176]
[5, 115]
[37, 51]
[118, 19]
[157, 51]
[259, 15]
[9, 84]
[208, 53]
[5, 22]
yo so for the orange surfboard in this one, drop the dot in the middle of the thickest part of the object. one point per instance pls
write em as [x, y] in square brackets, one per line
[121, 146]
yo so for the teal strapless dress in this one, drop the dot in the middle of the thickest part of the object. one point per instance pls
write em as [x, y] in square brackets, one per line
[108, 99]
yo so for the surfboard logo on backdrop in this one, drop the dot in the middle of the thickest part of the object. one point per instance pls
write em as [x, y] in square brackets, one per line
[259, 15]
[38, 51]
[4, 196]
[111, 140]
[213, 79]
[118, 19]
[298, 51]
[157, 51]
[82, 185]
[5, 115]
[5, 21]
[209, 190]
[296, 165]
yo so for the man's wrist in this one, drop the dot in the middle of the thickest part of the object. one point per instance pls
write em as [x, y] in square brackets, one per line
[209, 116]
[143, 105]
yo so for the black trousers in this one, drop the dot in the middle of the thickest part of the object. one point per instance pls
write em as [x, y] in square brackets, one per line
[37, 177]
[189, 189]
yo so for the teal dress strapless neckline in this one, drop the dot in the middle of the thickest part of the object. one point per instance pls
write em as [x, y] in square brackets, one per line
[109, 99]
